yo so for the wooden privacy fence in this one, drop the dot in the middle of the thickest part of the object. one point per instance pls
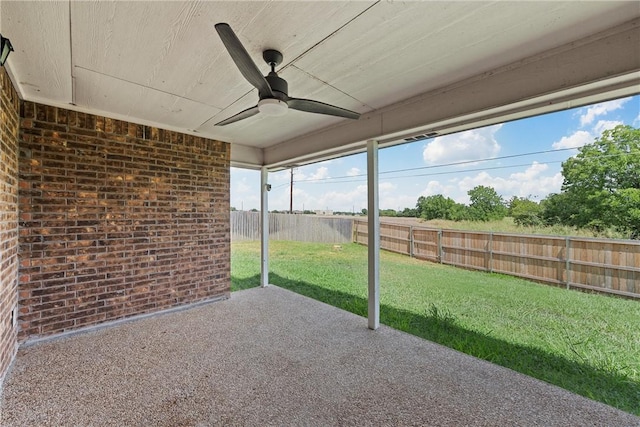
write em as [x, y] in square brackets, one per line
[245, 225]
[611, 266]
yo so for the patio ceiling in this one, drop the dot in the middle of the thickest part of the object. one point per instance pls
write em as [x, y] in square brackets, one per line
[408, 68]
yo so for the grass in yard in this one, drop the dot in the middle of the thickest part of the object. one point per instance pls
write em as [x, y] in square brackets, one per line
[586, 343]
[506, 225]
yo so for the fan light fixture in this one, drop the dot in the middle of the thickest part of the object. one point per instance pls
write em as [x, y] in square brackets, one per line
[272, 107]
[5, 49]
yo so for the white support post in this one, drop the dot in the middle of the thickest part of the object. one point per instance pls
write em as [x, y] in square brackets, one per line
[264, 227]
[373, 244]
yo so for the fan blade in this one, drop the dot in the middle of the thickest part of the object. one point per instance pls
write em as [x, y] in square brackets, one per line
[243, 61]
[249, 112]
[311, 106]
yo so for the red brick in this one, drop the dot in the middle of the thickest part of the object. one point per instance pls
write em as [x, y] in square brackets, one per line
[118, 219]
[9, 186]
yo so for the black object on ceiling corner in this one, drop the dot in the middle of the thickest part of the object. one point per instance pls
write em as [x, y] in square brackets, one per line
[5, 49]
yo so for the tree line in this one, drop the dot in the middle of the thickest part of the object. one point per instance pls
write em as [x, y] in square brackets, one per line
[600, 190]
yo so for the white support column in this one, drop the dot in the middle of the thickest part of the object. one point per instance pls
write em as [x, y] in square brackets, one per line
[373, 239]
[264, 227]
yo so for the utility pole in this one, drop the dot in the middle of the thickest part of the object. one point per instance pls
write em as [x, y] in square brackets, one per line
[291, 193]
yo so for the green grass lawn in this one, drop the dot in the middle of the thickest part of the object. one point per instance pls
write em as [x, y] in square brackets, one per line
[586, 343]
[506, 225]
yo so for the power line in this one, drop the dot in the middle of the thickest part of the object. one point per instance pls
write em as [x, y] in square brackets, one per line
[349, 178]
[324, 180]
[466, 162]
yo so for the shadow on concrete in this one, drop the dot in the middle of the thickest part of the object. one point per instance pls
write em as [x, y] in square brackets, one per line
[436, 324]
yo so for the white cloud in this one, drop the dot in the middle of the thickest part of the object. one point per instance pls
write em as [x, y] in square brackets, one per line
[433, 188]
[530, 183]
[385, 187]
[469, 145]
[578, 139]
[280, 176]
[482, 178]
[351, 199]
[603, 125]
[242, 186]
[535, 181]
[245, 188]
[354, 172]
[355, 198]
[603, 108]
[397, 201]
[531, 172]
[390, 197]
[321, 173]
[583, 137]
[338, 200]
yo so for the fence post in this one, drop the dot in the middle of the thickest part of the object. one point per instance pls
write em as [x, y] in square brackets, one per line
[440, 253]
[490, 266]
[354, 230]
[567, 260]
[411, 241]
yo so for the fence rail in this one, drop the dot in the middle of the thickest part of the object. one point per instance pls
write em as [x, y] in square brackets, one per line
[610, 266]
[303, 228]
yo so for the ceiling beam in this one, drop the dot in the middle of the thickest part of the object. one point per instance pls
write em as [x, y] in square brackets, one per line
[600, 67]
[243, 156]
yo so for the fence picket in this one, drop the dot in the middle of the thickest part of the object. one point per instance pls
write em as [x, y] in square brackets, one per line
[610, 266]
[604, 265]
[245, 225]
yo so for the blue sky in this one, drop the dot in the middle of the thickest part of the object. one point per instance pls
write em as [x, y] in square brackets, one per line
[340, 184]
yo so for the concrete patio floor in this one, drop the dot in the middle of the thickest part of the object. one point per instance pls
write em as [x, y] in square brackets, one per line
[272, 357]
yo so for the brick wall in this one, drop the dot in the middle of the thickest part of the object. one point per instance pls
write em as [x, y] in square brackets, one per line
[9, 104]
[116, 219]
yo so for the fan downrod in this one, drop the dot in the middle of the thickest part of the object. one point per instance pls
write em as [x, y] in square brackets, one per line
[278, 85]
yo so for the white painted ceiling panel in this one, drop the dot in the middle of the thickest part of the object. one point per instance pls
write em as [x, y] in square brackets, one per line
[160, 45]
[448, 42]
[39, 33]
[106, 93]
[380, 47]
[180, 51]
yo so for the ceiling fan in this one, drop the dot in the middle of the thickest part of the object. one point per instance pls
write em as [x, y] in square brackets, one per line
[272, 90]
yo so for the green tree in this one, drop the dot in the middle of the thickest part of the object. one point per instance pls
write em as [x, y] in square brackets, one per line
[602, 182]
[555, 209]
[486, 204]
[460, 212]
[435, 207]
[525, 212]
[407, 212]
[388, 212]
[419, 205]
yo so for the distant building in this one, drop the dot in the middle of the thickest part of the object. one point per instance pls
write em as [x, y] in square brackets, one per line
[325, 212]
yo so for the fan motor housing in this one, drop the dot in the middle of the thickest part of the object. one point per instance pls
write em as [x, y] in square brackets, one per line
[278, 85]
